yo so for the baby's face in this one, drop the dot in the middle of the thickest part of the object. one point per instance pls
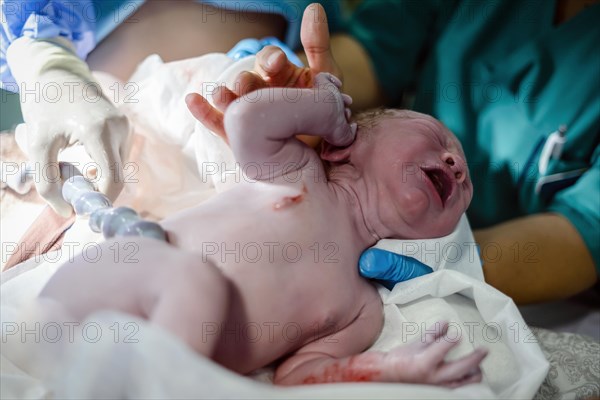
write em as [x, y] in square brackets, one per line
[423, 185]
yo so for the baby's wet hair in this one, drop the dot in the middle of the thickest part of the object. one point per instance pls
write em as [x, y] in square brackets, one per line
[367, 120]
[370, 118]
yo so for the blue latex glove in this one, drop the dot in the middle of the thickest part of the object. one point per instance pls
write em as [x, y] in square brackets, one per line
[45, 19]
[390, 268]
[249, 47]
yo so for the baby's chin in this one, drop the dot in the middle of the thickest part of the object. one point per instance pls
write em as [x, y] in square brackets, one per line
[438, 227]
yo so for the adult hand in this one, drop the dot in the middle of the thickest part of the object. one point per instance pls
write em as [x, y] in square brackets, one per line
[50, 126]
[86, 117]
[273, 69]
[390, 268]
[63, 105]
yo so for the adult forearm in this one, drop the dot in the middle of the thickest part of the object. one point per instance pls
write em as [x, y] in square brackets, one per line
[536, 258]
[359, 77]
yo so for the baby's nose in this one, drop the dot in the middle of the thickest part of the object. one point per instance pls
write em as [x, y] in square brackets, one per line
[457, 165]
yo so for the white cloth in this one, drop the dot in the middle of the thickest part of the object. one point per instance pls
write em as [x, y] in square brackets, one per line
[150, 363]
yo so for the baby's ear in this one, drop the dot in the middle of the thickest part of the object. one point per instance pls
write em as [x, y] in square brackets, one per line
[335, 154]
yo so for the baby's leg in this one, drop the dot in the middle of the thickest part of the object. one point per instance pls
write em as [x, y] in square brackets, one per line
[192, 299]
[147, 278]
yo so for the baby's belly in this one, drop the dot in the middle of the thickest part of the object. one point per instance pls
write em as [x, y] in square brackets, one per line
[293, 279]
[250, 224]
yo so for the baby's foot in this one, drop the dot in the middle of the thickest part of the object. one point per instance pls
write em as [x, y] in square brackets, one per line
[327, 88]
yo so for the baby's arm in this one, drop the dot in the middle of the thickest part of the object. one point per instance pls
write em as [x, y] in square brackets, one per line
[338, 358]
[261, 125]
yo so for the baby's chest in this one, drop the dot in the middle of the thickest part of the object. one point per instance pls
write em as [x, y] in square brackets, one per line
[260, 223]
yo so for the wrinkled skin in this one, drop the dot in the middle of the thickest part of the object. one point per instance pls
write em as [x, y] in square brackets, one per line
[208, 291]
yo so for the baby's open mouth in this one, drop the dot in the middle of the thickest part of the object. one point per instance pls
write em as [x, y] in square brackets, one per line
[441, 181]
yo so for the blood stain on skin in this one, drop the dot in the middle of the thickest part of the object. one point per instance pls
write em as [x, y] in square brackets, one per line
[290, 200]
[287, 201]
[350, 372]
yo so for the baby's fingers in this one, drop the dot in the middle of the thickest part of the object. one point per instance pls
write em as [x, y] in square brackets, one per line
[436, 352]
[347, 99]
[464, 368]
[436, 332]
[474, 377]
[325, 79]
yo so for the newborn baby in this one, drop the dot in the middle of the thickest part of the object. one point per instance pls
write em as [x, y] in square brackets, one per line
[266, 271]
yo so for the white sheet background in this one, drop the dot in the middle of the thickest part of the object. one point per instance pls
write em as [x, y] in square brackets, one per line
[159, 366]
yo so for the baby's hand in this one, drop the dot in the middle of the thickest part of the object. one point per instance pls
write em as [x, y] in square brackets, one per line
[423, 361]
[327, 90]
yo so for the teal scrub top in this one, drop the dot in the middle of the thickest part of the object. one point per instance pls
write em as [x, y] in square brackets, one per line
[502, 77]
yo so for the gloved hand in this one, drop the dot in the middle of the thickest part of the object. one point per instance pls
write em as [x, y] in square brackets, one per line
[62, 105]
[390, 268]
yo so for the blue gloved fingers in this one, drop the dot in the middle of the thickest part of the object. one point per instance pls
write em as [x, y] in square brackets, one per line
[245, 48]
[74, 21]
[390, 268]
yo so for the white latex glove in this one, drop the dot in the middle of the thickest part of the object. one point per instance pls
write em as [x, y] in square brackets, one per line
[61, 106]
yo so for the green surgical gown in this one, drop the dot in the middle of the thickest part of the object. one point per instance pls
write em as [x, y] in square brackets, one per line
[502, 76]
